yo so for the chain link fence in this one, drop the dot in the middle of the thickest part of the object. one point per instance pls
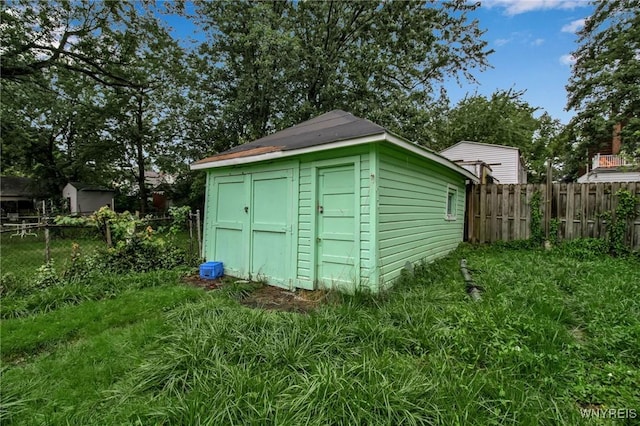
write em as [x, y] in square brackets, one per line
[26, 246]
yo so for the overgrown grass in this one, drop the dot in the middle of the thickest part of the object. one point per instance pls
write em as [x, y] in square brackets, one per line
[553, 333]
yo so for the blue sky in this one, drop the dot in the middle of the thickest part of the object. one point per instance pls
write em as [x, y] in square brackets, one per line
[532, 39]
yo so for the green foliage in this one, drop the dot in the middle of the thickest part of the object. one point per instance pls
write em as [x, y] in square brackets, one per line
[315, 51]
[46, 276]
[536, 226]
[142, 252]
[10, 284]
[585, 248]
[618, 222]
[603, 87]
[180, 216]
[91, 92]
[98, 285]
[554, 231]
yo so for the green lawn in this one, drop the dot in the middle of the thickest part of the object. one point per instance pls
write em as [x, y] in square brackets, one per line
[552, 335]
[23, 256]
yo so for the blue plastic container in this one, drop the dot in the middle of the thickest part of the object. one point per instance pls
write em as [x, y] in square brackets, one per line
[211, 270]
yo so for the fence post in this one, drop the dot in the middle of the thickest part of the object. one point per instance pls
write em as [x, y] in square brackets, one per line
[547, 200]
[199, 233]
[47, 246]
[190, 233]
[108, 234]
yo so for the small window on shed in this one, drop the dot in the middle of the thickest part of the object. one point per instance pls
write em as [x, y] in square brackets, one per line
[452, 198]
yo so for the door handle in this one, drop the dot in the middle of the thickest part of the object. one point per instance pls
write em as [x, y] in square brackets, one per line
[246, 209]
[320, 209]
[318, 239]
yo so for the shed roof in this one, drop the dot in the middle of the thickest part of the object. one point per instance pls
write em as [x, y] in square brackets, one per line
[333, 126]
[480, 143]
[88, 187]
[333, 129]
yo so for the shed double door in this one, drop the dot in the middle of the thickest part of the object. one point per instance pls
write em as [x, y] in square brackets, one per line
[252, 225]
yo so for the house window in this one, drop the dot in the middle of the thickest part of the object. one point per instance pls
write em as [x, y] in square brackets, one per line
[452, 198]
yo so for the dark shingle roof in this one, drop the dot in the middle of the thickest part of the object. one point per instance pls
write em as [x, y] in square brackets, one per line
[16, 186]
[330, 127]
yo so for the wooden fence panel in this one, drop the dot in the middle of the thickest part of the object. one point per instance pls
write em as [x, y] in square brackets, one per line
[503, 212]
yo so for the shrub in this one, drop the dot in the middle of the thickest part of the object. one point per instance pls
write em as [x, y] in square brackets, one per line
[11, 284]
[585, 248]
[46, 276]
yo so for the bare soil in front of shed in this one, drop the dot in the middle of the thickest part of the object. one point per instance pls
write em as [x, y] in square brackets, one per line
[274, 298]
[266, 296]
[196, 281]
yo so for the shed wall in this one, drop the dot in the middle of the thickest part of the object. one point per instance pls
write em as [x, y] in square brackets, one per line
[90, 201]
[412, 224]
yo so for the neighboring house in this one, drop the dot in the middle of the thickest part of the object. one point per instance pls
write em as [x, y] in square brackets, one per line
[607, 165]
[333, 202]
[506, 163]
[154, 179]
[611, 168]
[18, 196]
[85, 198]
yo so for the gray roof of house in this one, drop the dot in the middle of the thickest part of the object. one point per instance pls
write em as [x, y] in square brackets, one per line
[16, 186]
[333, 126]
[326, 129]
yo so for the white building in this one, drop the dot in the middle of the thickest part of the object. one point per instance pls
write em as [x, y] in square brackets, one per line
[507, 166]
[83, 198]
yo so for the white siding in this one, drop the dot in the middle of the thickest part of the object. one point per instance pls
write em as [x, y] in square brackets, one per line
[595, 176]
[508, 171]
[69, 192]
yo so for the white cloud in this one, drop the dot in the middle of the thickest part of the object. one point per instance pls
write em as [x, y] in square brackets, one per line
[537, 42]
[567, 59]
[516, 7]
[502, 41]
[573, 26]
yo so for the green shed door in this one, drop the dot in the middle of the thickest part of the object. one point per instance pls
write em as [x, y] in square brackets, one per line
[231, 221]
[336, 248]
[271, 226]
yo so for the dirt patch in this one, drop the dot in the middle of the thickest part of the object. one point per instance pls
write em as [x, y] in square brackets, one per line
[196, 281]
[274, 298]
[266, 296]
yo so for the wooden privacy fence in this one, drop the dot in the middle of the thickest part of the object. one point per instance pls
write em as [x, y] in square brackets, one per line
[503, 212]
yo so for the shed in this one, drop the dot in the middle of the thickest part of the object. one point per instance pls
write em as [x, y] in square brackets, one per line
[87, 198]
[333, 202]
[506, 163]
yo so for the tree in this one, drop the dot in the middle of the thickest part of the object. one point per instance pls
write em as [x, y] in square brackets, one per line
[80, 36]
[89, 90]
[604, 87]
[270, 65]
